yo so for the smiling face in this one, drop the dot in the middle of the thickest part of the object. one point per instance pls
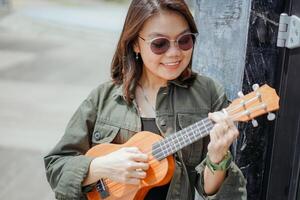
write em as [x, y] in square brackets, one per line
[168, 65]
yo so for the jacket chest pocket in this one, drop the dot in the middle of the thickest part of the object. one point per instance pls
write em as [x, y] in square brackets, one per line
[104, 133]
[107, 133]
[192, 154]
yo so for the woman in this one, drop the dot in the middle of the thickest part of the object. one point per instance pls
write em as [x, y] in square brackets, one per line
[153, 88]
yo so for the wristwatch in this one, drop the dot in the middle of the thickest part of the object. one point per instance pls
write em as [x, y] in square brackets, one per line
[221, 166]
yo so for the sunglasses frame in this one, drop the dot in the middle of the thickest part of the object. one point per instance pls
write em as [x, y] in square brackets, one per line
[174, 41]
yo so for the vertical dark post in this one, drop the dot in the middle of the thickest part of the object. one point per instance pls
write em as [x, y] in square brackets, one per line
[237, 47]
[262, 65]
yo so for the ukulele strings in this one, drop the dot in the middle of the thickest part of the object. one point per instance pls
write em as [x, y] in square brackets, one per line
[228, 111]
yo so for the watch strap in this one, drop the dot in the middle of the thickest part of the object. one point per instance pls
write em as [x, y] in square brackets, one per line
[221, 166]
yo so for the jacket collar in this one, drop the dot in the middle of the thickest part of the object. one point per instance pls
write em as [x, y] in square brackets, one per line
[184, 83]
[178, 82]
[118, 92]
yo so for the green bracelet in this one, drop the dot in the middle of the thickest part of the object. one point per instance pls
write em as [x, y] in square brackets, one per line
[222, 166]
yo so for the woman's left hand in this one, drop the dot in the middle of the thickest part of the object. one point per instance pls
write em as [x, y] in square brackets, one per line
[222, 136]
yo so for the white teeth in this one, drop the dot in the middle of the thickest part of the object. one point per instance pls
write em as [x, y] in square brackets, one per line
[171, 64]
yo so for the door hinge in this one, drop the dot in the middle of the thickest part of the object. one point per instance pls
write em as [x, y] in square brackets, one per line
[289, 31]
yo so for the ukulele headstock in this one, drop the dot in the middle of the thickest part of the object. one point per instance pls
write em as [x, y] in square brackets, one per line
[262, 100]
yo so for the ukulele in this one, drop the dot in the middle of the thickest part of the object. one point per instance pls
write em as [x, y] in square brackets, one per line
[161, 163]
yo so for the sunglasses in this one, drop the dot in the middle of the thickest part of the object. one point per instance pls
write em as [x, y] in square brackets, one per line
[161, 45]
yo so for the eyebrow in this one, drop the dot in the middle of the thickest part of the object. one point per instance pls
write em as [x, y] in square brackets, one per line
[154, 34]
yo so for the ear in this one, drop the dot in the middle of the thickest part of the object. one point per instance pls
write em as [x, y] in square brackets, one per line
[136, 47]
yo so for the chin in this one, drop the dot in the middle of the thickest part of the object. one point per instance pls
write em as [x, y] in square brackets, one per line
[170, 77]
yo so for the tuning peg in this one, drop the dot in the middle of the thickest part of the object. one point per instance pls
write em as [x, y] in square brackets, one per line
[240, 94]
[254, 123]
[255, 87]
[271, 116]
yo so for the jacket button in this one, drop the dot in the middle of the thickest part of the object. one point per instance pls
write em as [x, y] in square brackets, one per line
[97, 136]
[163, 122]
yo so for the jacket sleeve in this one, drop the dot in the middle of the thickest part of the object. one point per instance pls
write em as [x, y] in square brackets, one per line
[66, 165]
[234, 185]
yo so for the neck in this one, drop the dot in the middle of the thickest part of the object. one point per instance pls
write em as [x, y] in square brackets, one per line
[151, 82]
[147, 92]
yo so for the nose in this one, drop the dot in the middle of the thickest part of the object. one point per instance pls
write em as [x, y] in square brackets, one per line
[173, 50]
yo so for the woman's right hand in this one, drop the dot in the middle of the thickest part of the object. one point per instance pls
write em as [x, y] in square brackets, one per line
[126, 165]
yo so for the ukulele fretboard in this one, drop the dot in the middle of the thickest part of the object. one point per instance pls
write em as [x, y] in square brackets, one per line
[174, 142]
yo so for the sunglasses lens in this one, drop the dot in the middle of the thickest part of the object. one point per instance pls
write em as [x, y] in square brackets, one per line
[186, 42]
[160, 45]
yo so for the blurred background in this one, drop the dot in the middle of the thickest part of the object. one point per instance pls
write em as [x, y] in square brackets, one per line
[52, 54]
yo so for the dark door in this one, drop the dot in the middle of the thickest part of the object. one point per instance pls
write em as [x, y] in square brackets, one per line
[283, 178]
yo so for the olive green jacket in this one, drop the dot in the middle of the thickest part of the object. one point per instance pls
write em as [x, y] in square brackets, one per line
[105, 117]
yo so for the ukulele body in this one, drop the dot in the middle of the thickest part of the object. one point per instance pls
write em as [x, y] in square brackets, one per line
[159, 172]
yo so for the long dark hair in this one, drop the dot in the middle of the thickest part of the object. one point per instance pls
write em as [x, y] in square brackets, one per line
[125, 69]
